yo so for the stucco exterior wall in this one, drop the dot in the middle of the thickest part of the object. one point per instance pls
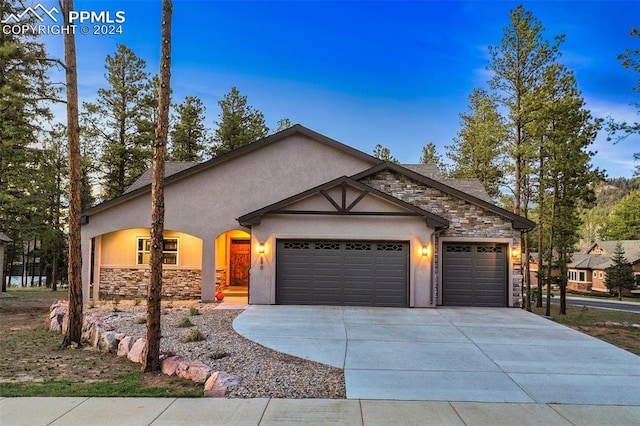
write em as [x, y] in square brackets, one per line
[468, 222]
[119, 249]
[207, 204]
[262, 289]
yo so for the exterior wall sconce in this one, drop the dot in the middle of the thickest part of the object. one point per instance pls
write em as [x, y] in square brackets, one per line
[261, 253]
[426, 250]
[515, 251]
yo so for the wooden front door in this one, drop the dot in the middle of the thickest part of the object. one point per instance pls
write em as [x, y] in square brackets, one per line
[239, 261]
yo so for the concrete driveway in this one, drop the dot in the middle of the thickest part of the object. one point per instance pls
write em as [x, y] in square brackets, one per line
[450, 354]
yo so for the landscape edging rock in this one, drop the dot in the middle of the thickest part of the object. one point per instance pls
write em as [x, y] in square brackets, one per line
[107, 340]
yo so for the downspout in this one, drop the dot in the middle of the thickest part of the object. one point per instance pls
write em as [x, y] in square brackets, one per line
[434, 276]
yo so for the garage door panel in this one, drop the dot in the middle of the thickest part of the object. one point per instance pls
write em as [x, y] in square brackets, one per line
[355, 273]
[474, 274]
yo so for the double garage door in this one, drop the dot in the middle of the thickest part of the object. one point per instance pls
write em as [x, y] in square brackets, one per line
[357, 273]
[375, 273]
[474, 274]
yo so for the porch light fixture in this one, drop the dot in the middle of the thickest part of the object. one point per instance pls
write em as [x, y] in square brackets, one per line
[261, 253]
[426, 250]
[515, 251]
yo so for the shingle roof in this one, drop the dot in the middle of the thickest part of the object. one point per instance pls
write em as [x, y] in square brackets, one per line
[584, 260]
[470, 186]
[588, 261]
[170, 168]
[429, 170]
[631, 248]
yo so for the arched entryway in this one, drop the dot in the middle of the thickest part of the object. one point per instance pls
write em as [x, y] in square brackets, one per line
[233, 259]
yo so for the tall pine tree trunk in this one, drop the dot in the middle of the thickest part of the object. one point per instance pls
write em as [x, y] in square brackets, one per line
[554, 206]
[74, 332]
[541, 194]
[154, 292]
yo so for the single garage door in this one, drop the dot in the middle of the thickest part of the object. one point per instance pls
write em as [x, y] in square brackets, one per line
[474, 274]
[356, 273]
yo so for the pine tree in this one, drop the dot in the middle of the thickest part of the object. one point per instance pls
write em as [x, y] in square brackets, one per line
[431, 156]
[189, 134]
[623, 222]
[119, 122]
[384, 154]
[518, 64]
[239, 124]
[620, 273]
[283, 124]
[566, 130]
[154, 292]
[478, 148]
[621, 130]
[74, 330]
[25, 96]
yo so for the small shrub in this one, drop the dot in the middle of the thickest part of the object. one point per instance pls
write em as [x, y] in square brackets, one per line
[141, 320]
[193, 311]
[184, 322]
[137, 301]
[194, 335]
[116, 302]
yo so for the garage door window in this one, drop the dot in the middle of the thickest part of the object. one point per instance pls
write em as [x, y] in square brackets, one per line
[458, 249]
[484, 249]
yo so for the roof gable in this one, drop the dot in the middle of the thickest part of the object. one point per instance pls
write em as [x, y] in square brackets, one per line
[518, 222]
[607, 248]
[343, 196]
[297, 129]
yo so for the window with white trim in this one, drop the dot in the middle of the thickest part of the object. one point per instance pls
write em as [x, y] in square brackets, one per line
[169, 251]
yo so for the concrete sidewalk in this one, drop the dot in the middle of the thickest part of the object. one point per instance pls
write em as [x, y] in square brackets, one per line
[194, 411]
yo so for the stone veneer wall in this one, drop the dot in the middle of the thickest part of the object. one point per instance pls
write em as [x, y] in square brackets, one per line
[465, 219]
[131, 283]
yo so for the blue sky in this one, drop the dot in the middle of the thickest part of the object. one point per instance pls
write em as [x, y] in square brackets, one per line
[394, 73]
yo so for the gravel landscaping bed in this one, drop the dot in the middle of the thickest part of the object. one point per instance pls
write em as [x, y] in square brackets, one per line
[263, 372]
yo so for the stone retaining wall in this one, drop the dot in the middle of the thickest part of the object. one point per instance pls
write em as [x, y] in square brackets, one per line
[104, 338]
[131, 283]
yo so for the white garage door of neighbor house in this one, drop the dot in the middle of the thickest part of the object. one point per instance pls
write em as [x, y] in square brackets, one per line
[354, 273]
[474, 274]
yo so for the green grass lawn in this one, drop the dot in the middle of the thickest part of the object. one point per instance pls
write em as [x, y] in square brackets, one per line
[32, 363]
[129, 384]
[599, 323]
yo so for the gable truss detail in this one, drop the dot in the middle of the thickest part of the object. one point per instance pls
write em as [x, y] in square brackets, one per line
[342, 205]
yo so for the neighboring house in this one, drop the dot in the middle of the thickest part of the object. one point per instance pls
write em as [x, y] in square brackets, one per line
[299, 218]
[3, 242]
[587, 270]
[534, 267]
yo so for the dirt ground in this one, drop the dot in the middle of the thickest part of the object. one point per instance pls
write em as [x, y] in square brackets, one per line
[29, 353]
